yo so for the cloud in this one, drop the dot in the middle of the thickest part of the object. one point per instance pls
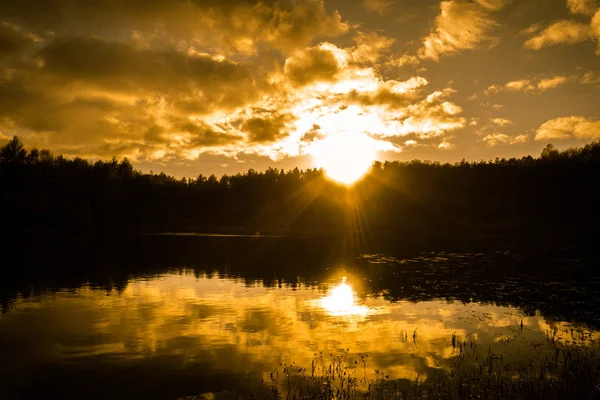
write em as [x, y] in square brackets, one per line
[359, 101]
[446, 146]
[85, 59]
[585, 7]
[369, 47]
[512, 86]
[459, 26]
[304, 22]
[491, 134]
[311, 65]
[17, 49]
[589, 78]
[391, 93]
[14, 40]
[142, 106]
[493, 5]
[199, 135]
[561, 32]
[501, 121]
[530, 85]
[433, 117]
[172, 79]
[228, 25]
[501, 138]
[378, 6]
[523, 84]
[75, 88]
[573, 127]
[404, 60]
[265, 130]
[569, 31]
[158, 99]
[595, 26]
[551, 83]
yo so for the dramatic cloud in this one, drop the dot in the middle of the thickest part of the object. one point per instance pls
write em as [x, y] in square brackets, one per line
[460, 26]
[311, 65]
[168, 82]
[264, 130]
[228, 25]
[351, 99]
[369, 47]
[573, 127]
[150, 80]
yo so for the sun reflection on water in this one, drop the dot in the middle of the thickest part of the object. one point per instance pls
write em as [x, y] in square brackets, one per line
[341, 301]
[226, 324]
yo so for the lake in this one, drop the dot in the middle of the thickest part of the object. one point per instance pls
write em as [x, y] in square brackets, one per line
[178, 316]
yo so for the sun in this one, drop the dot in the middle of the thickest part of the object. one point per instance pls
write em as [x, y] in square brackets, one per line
[345, 157]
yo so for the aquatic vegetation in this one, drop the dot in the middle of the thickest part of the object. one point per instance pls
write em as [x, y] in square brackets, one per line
[557, 371]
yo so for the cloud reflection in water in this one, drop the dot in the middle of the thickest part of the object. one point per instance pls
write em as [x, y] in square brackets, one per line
[235, 326]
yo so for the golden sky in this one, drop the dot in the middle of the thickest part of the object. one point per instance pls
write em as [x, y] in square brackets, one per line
[221, 86]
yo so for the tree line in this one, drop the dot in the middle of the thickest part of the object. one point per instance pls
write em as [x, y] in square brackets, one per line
[555, 193]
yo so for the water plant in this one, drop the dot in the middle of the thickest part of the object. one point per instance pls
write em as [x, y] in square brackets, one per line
[555, 371]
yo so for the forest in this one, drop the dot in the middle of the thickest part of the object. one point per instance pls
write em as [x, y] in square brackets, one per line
[555, 194]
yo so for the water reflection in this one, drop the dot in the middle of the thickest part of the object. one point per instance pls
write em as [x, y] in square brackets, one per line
[187, 326]
[341, 301]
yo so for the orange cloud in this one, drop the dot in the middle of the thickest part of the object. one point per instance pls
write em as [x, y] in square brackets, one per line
[501, 121]
[551, 83]
[573, 127]
[459, 26]
[585, 7]
[561, 32]
[529, 85]
[500, 138]
[311, 65]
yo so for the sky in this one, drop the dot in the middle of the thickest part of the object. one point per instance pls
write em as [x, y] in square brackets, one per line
[194, 87]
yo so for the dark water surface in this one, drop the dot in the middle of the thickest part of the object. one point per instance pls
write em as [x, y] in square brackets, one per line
[176, 316]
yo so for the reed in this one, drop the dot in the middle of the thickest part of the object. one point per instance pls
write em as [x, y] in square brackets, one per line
[556, 371]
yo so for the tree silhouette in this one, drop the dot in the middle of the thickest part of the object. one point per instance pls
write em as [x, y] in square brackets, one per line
[13, 152]
[550, 153]
[503, 197]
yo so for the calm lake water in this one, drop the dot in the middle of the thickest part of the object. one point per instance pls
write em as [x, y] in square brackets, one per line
[214, 317]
